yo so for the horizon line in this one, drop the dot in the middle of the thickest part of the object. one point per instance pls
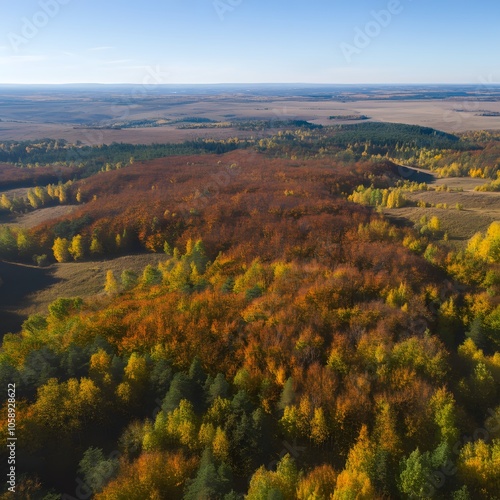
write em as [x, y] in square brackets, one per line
[251, 83]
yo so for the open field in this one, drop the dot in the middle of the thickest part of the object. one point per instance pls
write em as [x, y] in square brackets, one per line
[441, 115]
[479, 209]
[91, 137]
[15, 193]
[28, 115]
[33, 219]
[28, 290]
[466, 183]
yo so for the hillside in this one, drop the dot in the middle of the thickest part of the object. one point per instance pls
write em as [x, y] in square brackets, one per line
[281, 338]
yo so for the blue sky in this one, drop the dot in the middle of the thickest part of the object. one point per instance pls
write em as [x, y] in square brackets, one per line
[249, 41]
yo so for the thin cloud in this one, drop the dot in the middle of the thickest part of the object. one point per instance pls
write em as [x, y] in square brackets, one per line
[21, 59]
[99, 49]
[118, 61]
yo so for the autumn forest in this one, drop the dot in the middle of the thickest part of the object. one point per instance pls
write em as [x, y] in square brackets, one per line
[314, 327]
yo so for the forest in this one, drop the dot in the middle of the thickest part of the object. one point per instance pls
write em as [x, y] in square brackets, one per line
[293, 343]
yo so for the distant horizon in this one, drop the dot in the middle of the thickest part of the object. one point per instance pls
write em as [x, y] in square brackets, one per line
[238, 84]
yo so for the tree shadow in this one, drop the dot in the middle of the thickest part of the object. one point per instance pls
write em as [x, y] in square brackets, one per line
[415, 175]
[19, 282]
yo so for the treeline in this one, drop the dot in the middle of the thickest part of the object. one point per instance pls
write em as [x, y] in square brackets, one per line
[239, 197]
[391, 135]
[348, 117]
[38, 197]
[93, 158]
[403, 143]
[374, 197]
[493, 186]
[269, 124]
[12, 177]
[474, 154]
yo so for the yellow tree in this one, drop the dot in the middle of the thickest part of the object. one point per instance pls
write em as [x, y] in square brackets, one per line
[133, 387]
[355, 481]
[385, 431]
[281, 483]
[61, 250]
[486, 247]
[24, 243]
[220, 445]
[319, 427]
[434, 224]
[318, 484]
[206, 434]
[96, 246]
[181, 424]
[100, 367]
[5, 203]
[111, 285]
[153, 475]
[76, 248]
[63, 194]
[48, 408]
[83, 401]
[33, 199]
[479, 468]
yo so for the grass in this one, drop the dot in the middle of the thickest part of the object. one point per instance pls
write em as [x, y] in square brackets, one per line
[29, 290]
[37, 217]
[479, 209]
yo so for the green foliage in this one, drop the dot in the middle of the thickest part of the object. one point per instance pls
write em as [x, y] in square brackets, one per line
[416, 472]
[41, 260]
[219, 388]
[374, 197]
[8, 243]
[70, 228]
[96, 470]
[128, 279]
[288, 395]
[151, 276]
[211, 482]
[62, 308]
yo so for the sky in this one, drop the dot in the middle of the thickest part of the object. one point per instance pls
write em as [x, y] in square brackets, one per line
[249, 41]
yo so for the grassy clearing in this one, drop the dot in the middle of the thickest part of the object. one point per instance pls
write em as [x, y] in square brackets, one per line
[28, 290]
[13, 193]
[37, 217]
[479, 210]
[465, 183]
